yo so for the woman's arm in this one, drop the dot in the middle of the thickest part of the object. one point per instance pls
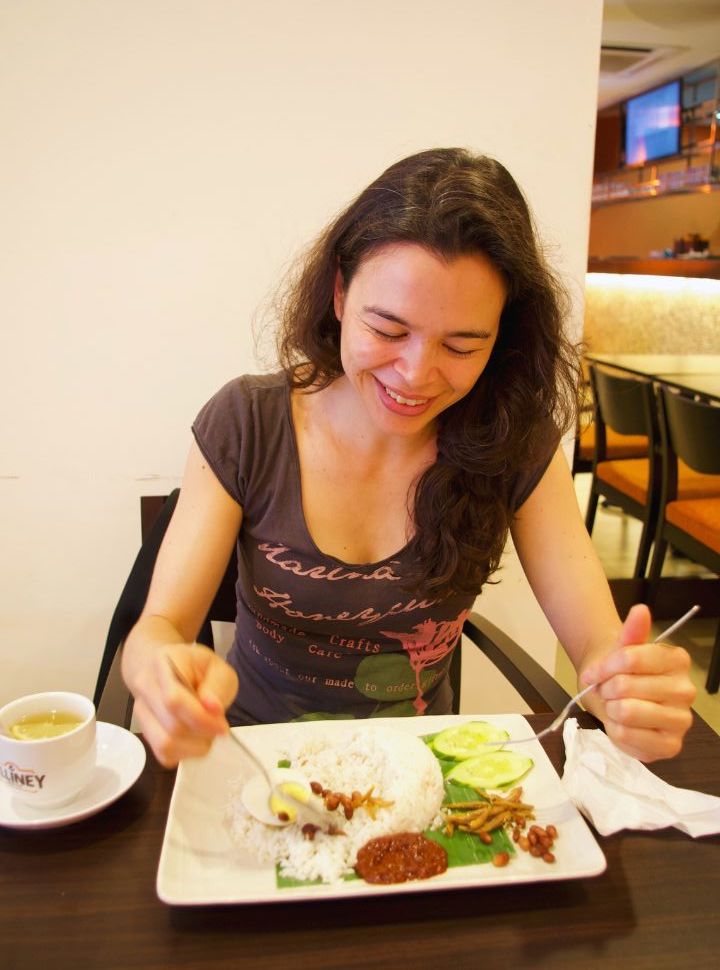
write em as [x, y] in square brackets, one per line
[645, 694]
[189, 568]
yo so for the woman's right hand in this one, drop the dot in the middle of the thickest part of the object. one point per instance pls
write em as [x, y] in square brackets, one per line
[178, 722]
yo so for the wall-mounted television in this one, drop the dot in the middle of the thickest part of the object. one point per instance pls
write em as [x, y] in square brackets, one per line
[652, 124]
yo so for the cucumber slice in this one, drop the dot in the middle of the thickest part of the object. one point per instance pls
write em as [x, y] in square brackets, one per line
[492, 770]
[467, 740]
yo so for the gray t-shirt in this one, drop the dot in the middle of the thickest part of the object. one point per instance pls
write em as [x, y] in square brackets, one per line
[315, 636]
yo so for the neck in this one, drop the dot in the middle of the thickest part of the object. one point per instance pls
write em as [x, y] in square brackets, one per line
[349, 425]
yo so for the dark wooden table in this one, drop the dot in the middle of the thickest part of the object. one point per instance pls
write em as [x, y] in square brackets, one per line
[84, 897]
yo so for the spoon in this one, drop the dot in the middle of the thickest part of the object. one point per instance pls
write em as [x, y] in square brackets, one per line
[586, 690]
[277, 796]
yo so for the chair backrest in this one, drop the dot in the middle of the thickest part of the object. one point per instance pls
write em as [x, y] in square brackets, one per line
[155, 514]
[692, 430]
[624, 404]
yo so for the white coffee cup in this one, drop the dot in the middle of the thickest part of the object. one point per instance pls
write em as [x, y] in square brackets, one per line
[48, 771]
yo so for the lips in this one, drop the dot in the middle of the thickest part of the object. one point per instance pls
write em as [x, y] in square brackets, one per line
[406, 404]
[411, 401]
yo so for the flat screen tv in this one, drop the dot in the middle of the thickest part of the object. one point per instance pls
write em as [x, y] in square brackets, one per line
[652, 124]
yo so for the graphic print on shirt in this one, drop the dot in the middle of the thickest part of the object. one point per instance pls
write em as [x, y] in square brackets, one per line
[274, 550]
[283, 602]
[429, 643]
[329, 639]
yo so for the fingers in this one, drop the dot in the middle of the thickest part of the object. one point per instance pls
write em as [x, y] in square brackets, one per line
[646, 658]
[216, 681]
[643, 729]
[182, 713]
[650, 671]
[647, 745]
[635, 714]
[178, 704]
[636, 628]
[169, 747]
[644, 693]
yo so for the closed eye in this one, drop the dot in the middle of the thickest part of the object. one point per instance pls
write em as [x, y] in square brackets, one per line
[462, 353]
[384, 335]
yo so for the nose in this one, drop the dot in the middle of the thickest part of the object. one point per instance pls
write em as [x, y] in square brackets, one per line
[415, 363]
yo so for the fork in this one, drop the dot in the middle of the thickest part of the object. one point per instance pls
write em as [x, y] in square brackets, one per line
[586, 690]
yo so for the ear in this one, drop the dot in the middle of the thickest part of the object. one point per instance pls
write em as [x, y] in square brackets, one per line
[339, 295]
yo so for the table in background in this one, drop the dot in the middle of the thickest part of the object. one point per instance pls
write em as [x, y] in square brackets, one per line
[705, 385]
[697, 373]
[84, 897]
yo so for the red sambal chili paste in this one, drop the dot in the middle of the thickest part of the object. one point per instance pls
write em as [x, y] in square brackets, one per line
[398, 858]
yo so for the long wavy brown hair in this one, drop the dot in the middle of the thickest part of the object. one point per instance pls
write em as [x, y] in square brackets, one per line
[452, 202]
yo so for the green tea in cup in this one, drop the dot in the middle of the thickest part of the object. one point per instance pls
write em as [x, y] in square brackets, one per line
[47, 747]
[46, 724]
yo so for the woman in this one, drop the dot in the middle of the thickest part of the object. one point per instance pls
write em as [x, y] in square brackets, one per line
[371, 485]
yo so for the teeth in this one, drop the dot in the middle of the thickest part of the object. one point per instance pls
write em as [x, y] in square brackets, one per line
[404, 400]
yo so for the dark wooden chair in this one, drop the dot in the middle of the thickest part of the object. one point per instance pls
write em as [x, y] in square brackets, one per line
[536, 686]
[616, 445]
[690, 433]
[625, 406]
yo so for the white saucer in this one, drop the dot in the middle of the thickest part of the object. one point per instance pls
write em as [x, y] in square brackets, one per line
[120, 759]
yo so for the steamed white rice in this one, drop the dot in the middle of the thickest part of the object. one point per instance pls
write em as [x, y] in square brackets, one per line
[401, 769]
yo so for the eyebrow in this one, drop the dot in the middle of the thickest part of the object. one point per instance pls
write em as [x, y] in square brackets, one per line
[394, 318]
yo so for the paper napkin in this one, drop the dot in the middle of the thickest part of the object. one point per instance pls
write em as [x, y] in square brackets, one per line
[615, 791]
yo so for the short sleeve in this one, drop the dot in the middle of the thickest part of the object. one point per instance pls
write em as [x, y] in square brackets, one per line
[223, 432]
[548, 439]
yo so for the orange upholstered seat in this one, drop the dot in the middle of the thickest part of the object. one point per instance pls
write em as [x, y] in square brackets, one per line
[618, 445]
[631, 477]
[698, 517]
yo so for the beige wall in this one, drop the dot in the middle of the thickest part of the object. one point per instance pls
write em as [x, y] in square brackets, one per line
[639, 228]
[161, 162]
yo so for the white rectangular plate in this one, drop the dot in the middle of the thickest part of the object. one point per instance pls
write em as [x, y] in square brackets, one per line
[200, 865]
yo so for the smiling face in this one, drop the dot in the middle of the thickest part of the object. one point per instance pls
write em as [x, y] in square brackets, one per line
[417, 332]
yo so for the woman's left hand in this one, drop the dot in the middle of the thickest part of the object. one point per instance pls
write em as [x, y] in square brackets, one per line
[645, 694]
